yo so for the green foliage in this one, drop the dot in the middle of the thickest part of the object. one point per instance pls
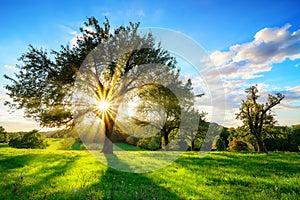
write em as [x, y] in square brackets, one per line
[30, 140]
[219, 144]
[294, 139]
[238, 145]
[161, 101]
[256, 116]
[282, 138]
[45, 82]
[66, 143]
[151, 143]
[225, 134]
[194, 135]
[179, 145]
[3, 135]
[132, 140]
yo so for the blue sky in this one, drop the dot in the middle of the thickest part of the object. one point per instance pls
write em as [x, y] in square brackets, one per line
[218, 26]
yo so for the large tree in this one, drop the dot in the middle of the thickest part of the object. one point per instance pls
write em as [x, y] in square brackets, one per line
[163, 107]
[256, 115]
[109, 65]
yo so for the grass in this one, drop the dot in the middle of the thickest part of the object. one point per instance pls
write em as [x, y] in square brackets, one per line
[60, 174]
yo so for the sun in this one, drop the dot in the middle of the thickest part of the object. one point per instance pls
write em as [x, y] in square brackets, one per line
[104, 106]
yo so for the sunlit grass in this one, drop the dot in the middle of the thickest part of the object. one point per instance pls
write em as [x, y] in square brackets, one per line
[60, 174]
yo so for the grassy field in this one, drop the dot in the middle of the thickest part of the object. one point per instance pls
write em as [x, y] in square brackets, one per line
[74, 174]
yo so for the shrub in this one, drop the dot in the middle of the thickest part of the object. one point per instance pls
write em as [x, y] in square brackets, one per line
[15, 142]
[83, 147]
[132, 140]
[178, 145]
[283, 139]
[220, 144]
[294, 141]
[151, 143]
[3, 135]
[66, 143]
[238, 145]
[30, 140]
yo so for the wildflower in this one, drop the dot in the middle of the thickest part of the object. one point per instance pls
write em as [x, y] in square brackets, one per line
[22, 175]
[75, 191]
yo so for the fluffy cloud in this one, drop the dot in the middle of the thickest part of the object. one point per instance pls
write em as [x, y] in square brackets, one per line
[220, 58]
[249, 60]
[10, 67]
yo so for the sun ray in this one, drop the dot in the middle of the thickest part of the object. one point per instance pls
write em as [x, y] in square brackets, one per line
[104, 105]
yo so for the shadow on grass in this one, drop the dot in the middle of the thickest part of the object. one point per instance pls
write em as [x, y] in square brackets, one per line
[39, 171]
[3, 145]
[243, 173]
[18, 161]
[116, 184]
[247, 163]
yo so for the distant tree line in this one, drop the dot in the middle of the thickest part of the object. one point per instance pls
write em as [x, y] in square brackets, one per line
[276, 138]
[28, 140]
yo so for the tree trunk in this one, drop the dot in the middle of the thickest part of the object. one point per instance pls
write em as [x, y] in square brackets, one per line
[261, 146]
[193, 145]
[108, 147]
[109, 126]
[166, 138]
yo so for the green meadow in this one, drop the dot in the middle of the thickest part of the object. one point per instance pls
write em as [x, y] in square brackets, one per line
[77, 174]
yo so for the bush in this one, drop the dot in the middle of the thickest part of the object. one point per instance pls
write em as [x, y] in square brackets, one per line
[132, 140]
[238, 145]
[151, 143]
[3, 135]
[178, 145]
[66, 143]
[220, 144]
[15, 142]
[30, 140]
[83, 147]
[294, 141]
[283, 139]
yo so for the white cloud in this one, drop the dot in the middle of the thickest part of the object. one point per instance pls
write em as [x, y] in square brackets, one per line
[10, 67]
[220, 58]
[249, 60]
[242, 63]
[295, 89]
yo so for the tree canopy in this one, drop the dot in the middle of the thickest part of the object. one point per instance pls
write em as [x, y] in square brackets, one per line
[94, 76]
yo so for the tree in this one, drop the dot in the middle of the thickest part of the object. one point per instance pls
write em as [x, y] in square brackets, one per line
[276, 138]
[3, 135]
[191, 133]
[109, 65]
[256, 115]
[221, 141]
[161, 108]
[30, 140]
[294, 138]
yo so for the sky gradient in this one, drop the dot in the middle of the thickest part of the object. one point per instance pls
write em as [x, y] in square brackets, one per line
[250, 42]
